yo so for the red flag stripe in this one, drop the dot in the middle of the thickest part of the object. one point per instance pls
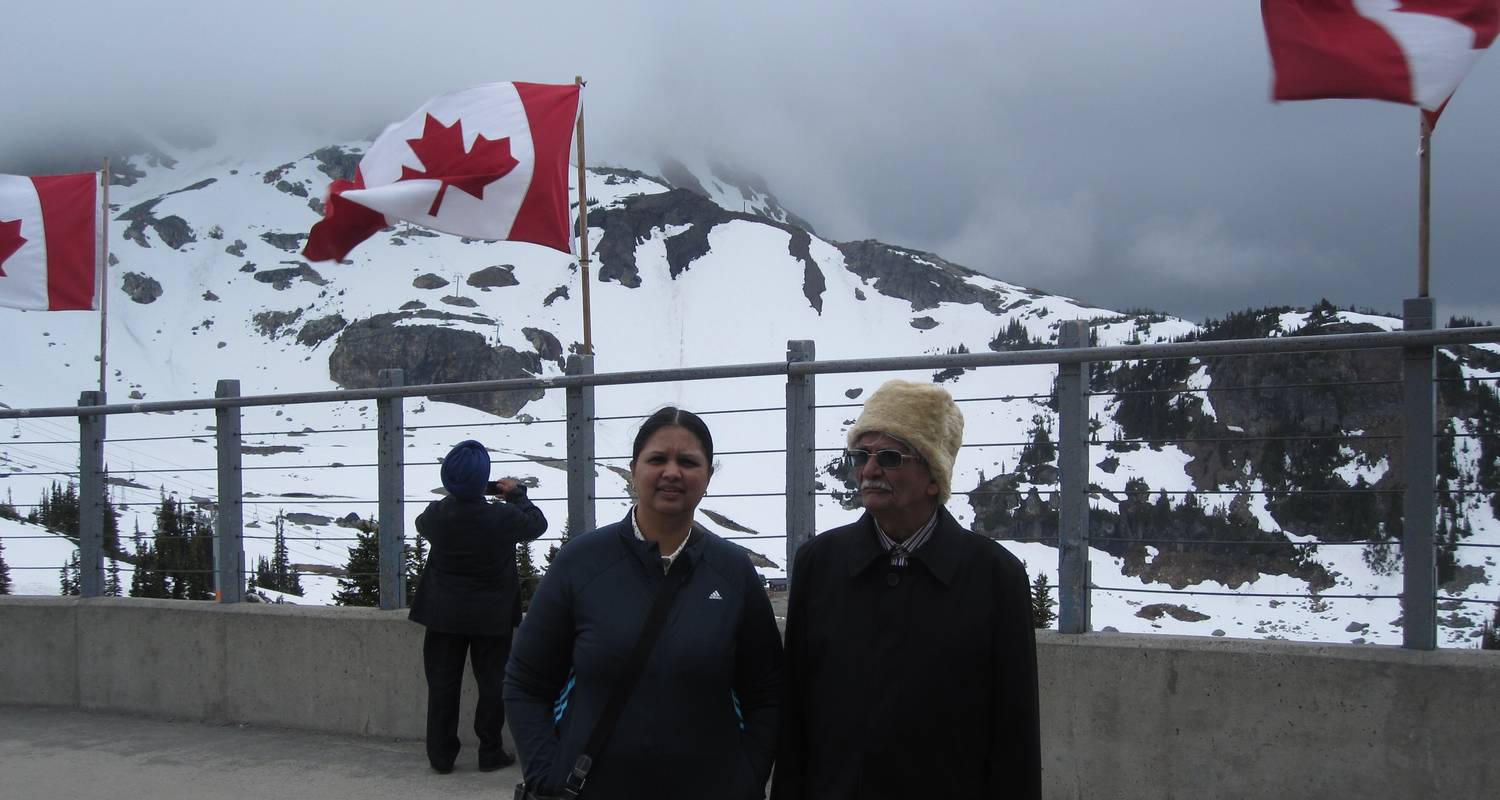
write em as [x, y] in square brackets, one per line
[551, 111]
[69, 204]
[1325, 49]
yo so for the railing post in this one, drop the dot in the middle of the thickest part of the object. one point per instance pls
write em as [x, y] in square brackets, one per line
[801, 455]
[229, 528]
[580, 400]
[1418, 556]
[392, 493]
[91, 497]
[1073, 479]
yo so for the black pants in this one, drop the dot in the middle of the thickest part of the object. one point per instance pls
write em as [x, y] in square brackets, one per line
[443, 660]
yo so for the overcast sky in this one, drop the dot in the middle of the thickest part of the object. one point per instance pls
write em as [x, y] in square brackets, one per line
[1123, 153]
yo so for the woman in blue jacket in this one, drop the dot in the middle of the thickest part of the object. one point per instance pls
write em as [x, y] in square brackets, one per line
[702, 719]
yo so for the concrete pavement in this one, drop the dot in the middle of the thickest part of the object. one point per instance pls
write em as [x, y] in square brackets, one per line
[48, 753]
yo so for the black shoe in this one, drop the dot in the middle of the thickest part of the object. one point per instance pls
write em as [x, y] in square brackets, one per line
[442, 769]
[498, 762]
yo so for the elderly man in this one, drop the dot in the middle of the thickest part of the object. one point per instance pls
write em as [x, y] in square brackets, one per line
[910, 654]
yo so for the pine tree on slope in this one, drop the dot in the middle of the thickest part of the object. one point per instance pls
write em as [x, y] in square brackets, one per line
[4, 572]
[112, 579]
[361, 584]
[526, 570]
[1489, 639]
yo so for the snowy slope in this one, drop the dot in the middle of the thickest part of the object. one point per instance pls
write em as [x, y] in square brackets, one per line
[739, 302]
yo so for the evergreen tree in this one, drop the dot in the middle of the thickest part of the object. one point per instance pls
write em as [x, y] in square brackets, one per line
[112, 579]
[552, 549]
[1490, 637]
[178, 564]
[278, 574]
[1039, 452]
[4, 572]
[416, 563]
[69, 577]
[527, 571]
[8, 508]
[1042, 614]
[360, 585]
[147, 580]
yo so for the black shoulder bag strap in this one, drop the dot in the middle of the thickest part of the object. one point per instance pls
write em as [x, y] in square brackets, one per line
[673, 581]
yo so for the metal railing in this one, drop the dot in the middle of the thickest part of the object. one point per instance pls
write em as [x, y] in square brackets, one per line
[1419, 596]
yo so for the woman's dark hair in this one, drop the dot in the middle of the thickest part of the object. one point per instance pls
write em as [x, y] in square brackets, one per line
[668, 417]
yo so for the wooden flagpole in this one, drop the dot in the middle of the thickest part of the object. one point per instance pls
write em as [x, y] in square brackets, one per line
[1424, 206]
[102, 278]
[583, 228]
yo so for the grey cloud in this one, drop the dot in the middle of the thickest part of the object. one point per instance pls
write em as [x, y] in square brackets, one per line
[1041, 142]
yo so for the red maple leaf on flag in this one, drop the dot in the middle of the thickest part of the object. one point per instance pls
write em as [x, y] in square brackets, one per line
[441, 150]
[10, 241]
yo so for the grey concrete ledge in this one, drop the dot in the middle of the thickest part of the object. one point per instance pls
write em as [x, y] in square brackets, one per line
[1123, 715]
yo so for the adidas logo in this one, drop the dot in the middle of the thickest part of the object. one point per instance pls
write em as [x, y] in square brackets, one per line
[715, 595]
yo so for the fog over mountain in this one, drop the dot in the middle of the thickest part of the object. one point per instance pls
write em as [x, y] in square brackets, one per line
[1125, 155]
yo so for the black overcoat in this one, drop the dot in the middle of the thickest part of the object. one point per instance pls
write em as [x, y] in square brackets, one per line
[470, 585]
[909, 682]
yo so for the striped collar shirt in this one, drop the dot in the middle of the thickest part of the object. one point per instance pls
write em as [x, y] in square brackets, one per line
[666, 560]
[900, 550]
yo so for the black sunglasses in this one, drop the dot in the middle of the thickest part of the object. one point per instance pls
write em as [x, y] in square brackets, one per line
[885, 459]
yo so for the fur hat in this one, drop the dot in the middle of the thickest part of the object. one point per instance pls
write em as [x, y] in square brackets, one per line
[922, 415]
[466, 469]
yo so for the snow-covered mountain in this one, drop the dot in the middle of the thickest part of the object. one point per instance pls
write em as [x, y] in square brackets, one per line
[694, 265]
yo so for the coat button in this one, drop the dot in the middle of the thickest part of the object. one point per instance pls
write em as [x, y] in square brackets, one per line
[893, 578]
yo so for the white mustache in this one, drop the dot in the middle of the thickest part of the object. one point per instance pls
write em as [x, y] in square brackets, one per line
[875, 484]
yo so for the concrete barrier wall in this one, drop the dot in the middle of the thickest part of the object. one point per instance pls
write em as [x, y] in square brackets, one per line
[345, 670]
[1123, 716]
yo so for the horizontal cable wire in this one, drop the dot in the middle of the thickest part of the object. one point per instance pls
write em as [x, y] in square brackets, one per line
[308, 431]
[500, 423]
[1189, 390]
[40, 441]
[1234, 541]
[1441, 598]
[1314, 596]
[1310, 437]
[114, 471]
[204, 436]
[715, 495]
[307, 466]
[740, 411]
[717, 453]
[305, 538]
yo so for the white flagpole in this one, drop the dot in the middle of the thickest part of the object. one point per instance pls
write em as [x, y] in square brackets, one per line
[583, 228]
[102, 278]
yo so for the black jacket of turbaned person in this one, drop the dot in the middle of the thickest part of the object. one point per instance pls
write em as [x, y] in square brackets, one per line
[703, 719]
[917, 681]
[470, 585]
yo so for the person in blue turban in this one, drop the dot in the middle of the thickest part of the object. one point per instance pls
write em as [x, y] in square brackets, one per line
[468, 597]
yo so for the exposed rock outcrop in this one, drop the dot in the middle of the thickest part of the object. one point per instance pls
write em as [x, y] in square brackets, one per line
[143, 289]
[281, 279]
[430, 354]
[494, 277]
[320, 330]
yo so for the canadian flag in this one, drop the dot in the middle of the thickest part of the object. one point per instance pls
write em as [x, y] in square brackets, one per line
[51, 241]
[489, 162]
[1405, 51]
